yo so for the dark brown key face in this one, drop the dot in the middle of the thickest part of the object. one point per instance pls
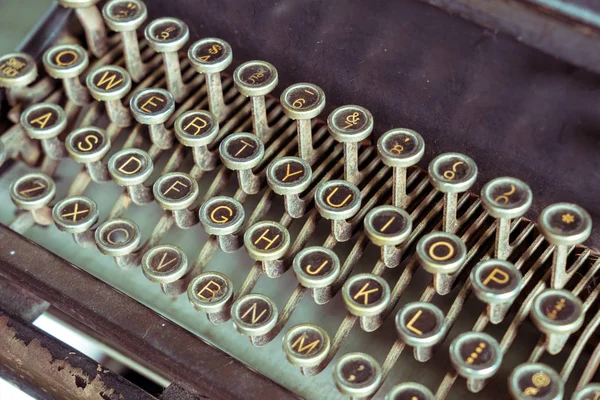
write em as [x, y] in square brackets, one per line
[290, 172]
[176, 188]
[43, 118]
[210, 52]
[409, 393]
[401, 145]
[210, 288]
[88, 141]
[388, 222]
[222, 212]
[536, 384]
[340, 196]
[167, 31]
[358, 371]
[124, 10]
[508, 195]
[477, 352]
[306, 341]
[351, 120]
[316, 263]
[65, 58]
[32, 189]
[243, 148]
[197, 124]
[152, 102]
[254, 311]
[75, 212]
[421, 322]
[118, 234]
[131, 164]
[497, 278]
[14, 67]
[442, 250]
[566, 221]
[267, 238]
[164, 261]
[108, 80]
[366, 292]
[303, 96]
[559, 309]
[255, 75]
[453, 169]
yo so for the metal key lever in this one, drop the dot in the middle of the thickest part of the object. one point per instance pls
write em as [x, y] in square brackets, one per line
[90, 18]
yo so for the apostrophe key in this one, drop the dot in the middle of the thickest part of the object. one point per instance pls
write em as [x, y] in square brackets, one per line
[89, 146]
[110, 84]
[350, 125]
[210, 57]
[268, 242]
[126, 17]
[338, 201]
[67, 62]
[400, 149]
[77, 216]
[317, 268]
[505, 199]
[153, 107]
[241, 152]
[289, 177]
[198, 129]
[254, 315]
[90, 18]
[302, 102]
[564, 225]
[177, 192]
[256, 79]
[45, 122]
[212, 293]
[120, 238]
[536, 381]
[224, 217]
[167, 36]
[166, 265]
[367, 296]
[388, 227]
[422, 326]
[452, 173]
[441, 254]
[131, 168]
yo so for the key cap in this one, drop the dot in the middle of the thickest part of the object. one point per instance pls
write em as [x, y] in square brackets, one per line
[441, 254]
[198, 129]
[317, 268]
[357, 375]
[167, 265]
[153, 107]
[120, 238]
[33, 192]
[563, 225]
[211, 56]
[167, 36]
[241, 152]
[45, 122]
[256, 79]
[212, 293]
[409, 391]
[422, 326]
[110, 84]
[289, 177]
[89, 145]
[366, 296]
[306, 346]
[17, 72]
[558, 313]
[224, 217]
[535, 381]
[452, 173]
[91, 20]
[497, 283]
[77, 215]
[67, 62]
[302, 102]
[254, 315]
[126, 17]
[590, 392]
[177, 192]
[400, 149]
[388, 227]
[268, 242]
[131, 168]
[476, 356]
[338, 201]
[350, 125]
[505, 198]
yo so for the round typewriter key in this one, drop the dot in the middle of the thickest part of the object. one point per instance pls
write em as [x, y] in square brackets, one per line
[497, 283]
[317, 268]
[306, 345]
[452, 173]
[177, 192]
[131, 168]
[125, 17]
[45, 121]
[153, 107]
[212, 293]
[366, 296]
[89, 146]
[168, 36]
[17, 70]
[110, 84]
[535, 381]
[476, 356]
[118, 237]
[338, 201]
[289, 177]
[268, 242]
[441, 254]
[32, 191]
[254, 315]
[590, 392]
[410, 391]
[241, 152]
[67, 62]
[210, 56]
[166, 264]
[198, 129]
[350, 125]
[421, 325]
[256, 79]
[357, 375]
[400, 149]
[303, 102]
[563, 225]
[388, 227]
[75, 214]
[224, 217]
[558, 313]
[91, 20]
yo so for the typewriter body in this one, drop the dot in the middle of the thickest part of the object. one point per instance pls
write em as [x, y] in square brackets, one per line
[304, 199]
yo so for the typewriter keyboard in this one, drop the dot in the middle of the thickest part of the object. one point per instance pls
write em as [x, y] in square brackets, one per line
[311, 247]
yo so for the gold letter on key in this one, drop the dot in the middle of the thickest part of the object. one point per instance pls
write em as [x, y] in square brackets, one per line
[338, 205]
[495, 275]
[309, 348]
[213, 292]
[263, 237]
[365, 293]
[198, 127]
[132, 158]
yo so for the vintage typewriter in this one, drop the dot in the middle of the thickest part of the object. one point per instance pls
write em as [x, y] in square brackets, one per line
[412, 221]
